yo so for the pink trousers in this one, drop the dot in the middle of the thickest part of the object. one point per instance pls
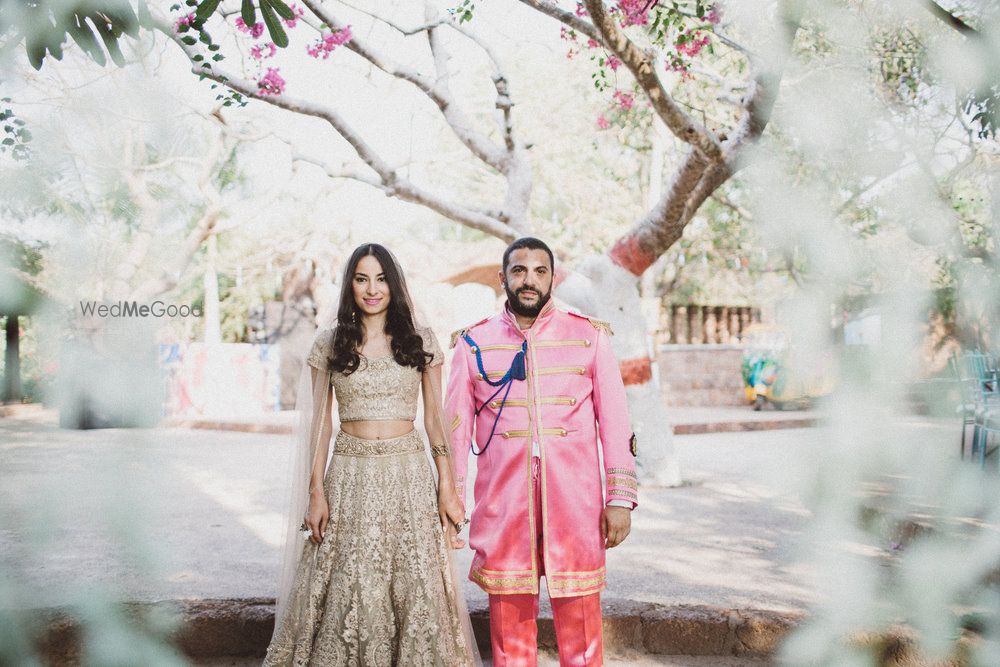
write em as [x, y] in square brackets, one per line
[513, 627]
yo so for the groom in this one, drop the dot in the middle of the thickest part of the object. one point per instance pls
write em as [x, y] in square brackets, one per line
[530, 391]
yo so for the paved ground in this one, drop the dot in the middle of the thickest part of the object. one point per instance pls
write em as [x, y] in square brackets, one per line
[177, 513]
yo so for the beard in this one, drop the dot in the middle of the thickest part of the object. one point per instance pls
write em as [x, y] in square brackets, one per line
[525, 310]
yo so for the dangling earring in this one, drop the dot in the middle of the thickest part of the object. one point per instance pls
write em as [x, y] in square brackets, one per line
[354, 316]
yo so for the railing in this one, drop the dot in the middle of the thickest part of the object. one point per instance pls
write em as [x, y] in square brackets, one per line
[705, 325]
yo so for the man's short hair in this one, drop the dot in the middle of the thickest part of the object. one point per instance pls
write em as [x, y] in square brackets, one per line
[531, 243]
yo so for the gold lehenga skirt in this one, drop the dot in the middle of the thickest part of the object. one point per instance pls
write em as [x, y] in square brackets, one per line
[378, 590]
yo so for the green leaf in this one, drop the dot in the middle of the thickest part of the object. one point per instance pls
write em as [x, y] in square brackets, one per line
[284, 11]
[7, 142]
[197, 57]
[274, 28]
[206, 9]
[36, 52]
[249, 13]
[217, 57]
[124, 20]
[82, 35]
[110, 42]
[189, 40]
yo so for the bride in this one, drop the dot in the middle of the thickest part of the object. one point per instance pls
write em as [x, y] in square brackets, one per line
[368, 578]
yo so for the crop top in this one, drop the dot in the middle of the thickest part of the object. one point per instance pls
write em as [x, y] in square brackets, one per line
[379, 389]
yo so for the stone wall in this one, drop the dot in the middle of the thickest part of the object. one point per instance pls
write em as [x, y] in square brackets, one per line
[702, 375]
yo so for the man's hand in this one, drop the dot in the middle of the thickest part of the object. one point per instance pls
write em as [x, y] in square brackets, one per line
[616, 522]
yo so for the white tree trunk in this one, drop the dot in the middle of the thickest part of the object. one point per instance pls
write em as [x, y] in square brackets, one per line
[602, 289]
[210, 280]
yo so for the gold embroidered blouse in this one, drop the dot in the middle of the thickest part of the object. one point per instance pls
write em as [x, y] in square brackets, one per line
[380, 389]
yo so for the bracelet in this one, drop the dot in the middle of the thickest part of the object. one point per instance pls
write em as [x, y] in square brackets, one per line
[439, 450]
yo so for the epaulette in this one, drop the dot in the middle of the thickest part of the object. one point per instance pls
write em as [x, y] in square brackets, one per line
[460, 332]
[598, 324]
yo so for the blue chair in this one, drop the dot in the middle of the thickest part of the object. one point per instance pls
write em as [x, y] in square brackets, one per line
[987, 415]
[967, 379]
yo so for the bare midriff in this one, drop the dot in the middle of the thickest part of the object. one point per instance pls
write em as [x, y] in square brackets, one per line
[381, 429]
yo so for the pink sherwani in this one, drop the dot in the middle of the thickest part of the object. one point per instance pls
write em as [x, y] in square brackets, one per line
[573, 394]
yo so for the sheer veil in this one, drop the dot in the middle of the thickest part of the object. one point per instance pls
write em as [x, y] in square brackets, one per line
[313, 424]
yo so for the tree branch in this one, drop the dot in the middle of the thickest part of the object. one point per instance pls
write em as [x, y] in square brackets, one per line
[343, 171]
[567, 18]
[640, 64]
[406, 32]
[475, 141]
[950, 19]
[736, 208]
[698, 176]
[392, 183]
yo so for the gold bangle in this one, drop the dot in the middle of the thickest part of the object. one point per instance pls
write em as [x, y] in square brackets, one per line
[440, 449]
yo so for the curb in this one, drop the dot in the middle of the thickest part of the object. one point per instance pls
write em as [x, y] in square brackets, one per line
[19, 409]
[243, 427]
[230, 628]
[699, 428]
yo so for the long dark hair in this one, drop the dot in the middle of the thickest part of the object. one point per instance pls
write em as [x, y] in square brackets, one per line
[407, 345]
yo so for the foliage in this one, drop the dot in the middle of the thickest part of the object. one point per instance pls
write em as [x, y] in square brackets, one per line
[46, 25]
[16, 135]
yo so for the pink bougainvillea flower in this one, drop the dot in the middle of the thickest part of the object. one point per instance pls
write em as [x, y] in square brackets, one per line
[634, 12]
[328, 43]
[580, 9]
[184, 22]
[263, 51]
[271, 83]
[694, 44]
[592, 44]
[603, 122]
[299, 13]
[256, 31]
[681, 68]
[713, 16]
[625, 100]
[567, 34]
[614, 63]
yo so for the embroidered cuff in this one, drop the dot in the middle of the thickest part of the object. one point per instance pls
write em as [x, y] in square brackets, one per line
[622, 485]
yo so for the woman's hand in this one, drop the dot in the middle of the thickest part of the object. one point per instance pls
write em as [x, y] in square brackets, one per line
[318, 516]
[452, 514]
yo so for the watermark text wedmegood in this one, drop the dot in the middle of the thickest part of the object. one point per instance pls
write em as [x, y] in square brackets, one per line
[136, 309]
